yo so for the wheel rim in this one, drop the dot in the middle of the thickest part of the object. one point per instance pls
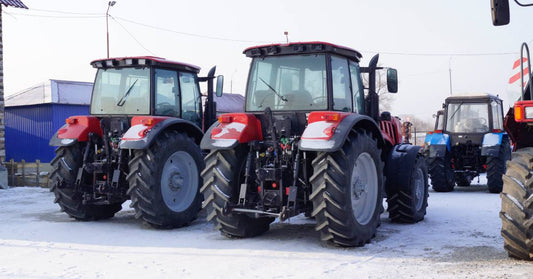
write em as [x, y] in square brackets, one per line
[364, 188]
[179, 181]
[418, 180]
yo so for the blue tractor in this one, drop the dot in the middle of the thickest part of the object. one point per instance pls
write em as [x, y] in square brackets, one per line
[468, 140]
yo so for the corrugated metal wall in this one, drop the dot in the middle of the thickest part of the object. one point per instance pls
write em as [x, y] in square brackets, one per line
[29, 129]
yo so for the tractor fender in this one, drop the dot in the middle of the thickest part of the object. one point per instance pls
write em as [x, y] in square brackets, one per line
[438, 144]
[399, 166]
[326, 136]
[491, 144]
[231, 130]
[145, 129]
[76, 129]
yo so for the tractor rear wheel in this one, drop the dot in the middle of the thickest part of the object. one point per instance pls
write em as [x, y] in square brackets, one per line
[165, 181]
[496, 167]
[68, 195]
[347, 191]
[441, 173]
[409, 205]
[517, 208]
[223, 175]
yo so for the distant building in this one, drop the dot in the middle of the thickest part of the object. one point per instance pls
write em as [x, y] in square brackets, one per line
[229, 102]
[32, 116]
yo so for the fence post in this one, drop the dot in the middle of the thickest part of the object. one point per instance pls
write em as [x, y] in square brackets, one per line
[13, 182]
[38, 173]
[23, 162]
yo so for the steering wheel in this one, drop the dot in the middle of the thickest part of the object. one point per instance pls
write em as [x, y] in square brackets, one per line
[165, 108]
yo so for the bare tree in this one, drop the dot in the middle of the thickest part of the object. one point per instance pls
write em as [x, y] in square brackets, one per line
[385, 98]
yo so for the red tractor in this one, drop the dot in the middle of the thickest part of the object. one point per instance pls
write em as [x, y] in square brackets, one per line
[141, 142]
[517, 193]
[310, 142]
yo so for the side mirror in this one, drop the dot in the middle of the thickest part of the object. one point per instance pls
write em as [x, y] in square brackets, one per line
[392, 80]
[500, 12]
[220, 86]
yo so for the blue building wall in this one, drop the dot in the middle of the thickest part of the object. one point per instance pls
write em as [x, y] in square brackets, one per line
[29, 129]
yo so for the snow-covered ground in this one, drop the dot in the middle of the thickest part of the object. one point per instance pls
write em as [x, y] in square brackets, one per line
[459, 238]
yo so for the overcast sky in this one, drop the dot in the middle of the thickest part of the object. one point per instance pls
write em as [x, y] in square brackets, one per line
[56, 39]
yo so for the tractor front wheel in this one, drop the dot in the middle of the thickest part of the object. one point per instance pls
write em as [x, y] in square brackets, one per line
[223, 175]
[347, 191]
[165, 181]
[496, 167]
[441, 173]
[68, 195]
[517, 208]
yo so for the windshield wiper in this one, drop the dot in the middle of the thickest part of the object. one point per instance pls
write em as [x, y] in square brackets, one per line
[123, 99]
[451, 117]
[274, 90]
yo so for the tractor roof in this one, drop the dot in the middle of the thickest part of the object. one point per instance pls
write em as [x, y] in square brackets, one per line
[302, 48]
[483, 97]
[136, 61]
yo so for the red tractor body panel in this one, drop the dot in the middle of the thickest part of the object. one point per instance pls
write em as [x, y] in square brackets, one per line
[141, 125]
[242, 127]
[79, 127]
[391, 130]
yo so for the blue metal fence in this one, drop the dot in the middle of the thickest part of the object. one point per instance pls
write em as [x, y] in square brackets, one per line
[29, 129]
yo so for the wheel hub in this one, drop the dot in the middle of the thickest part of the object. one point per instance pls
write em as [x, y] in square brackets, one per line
[179, 181]
[364, 188]
[176, 181]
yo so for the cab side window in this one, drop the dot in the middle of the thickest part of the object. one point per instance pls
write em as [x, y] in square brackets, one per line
[166, 93]
[190, 98]
[340, 77]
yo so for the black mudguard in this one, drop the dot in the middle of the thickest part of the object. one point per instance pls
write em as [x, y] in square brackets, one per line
[172, 123]
[399, 166]
[55, 141]
[341, 134]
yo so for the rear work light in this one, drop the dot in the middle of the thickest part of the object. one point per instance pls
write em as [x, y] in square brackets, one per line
[225, 119]
[529, 112]
[71, 121]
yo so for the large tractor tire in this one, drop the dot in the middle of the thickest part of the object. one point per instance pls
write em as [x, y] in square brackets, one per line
[65, 167]
[165, 181]
[441, 173]
[496, 167]
[223, 175]
[517, 208]
[347, 191]
[408, 205]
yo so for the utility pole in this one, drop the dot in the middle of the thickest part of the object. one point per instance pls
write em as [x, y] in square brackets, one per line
[109, 5]
[450, 71]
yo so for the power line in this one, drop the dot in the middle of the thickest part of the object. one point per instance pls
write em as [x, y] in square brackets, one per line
[117, 19]
[56, 16]
[441, 54]
[190, 34]
[138, 42]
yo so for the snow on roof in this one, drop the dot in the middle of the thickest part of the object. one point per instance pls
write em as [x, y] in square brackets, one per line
[53, 91]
